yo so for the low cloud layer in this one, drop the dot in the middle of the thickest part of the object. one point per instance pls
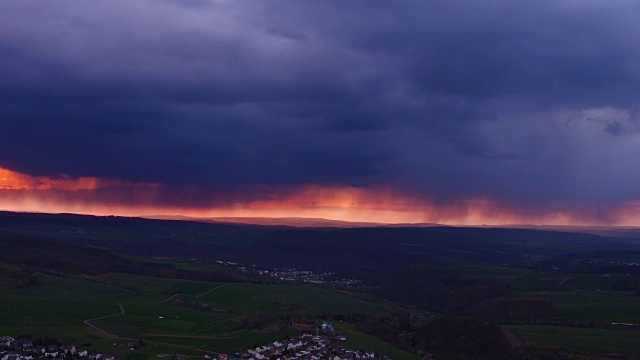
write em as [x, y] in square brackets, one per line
[528, 104]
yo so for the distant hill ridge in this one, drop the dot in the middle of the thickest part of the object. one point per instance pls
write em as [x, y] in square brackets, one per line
[290, 221]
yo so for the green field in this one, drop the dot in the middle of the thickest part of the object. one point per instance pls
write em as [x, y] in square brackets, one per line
[604, 306]
[583, 297]
[599, 341]
[493, 271]
[250, 299]
[148, 283]
[595, 299]
[59, 305]
[602, 282]
[360, 340]
[538, 282]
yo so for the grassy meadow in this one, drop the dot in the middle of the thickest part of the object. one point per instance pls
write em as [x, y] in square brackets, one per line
[247, 314]
[598, 341]
[599, 299]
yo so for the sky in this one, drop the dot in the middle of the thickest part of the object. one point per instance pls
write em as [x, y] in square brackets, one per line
[455, 112]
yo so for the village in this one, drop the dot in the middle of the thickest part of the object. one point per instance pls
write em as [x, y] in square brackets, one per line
[24, 348]
[309, 277]
[292, 275]
[304, 346]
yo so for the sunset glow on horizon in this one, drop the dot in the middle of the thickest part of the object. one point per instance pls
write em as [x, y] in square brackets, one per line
[375, 204]
[12, 180]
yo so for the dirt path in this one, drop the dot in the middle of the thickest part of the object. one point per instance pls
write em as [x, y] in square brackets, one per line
[511, 337]
[215, 288]
[563, 281]
[96, 329]
[88, 321]
[204, 293]
[191, 336]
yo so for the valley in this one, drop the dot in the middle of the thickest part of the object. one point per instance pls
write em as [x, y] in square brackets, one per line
[405, 293]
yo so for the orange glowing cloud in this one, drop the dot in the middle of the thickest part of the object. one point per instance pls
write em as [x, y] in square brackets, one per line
[376, 203]
[11, 180]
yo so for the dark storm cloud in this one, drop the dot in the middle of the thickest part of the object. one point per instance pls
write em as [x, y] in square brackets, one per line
[451, 99]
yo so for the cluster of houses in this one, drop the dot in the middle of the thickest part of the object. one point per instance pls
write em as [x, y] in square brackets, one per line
[16, 349]
[292, 275]
[303, 347]
[308, 277]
